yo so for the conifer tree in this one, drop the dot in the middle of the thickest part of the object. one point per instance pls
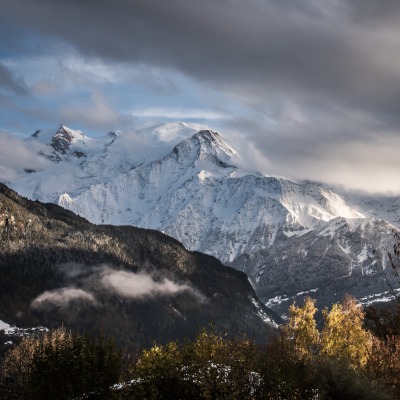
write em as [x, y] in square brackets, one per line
[60, 365]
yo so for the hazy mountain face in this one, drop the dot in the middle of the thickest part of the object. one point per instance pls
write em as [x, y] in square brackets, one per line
[291, 238]
[137, 285]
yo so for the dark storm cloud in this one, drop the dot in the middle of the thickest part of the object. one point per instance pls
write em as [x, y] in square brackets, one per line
[309, 50]
[8, 83]
[346, 149]
[326, 72]
[375, 10]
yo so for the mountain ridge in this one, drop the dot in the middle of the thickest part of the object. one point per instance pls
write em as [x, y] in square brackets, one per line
[197, 192]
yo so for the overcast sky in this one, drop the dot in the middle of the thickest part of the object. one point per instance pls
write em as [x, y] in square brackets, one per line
[312, 87]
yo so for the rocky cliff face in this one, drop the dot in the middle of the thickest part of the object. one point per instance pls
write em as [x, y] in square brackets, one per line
[341, 256]
[137, 285]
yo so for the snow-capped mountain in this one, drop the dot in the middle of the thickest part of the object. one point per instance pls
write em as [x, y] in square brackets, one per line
[80, 161]
[186, 180]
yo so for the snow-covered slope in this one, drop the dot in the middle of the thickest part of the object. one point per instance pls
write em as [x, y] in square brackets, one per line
[197, 194]
[185, 180]
[80, 161]
[379, 207]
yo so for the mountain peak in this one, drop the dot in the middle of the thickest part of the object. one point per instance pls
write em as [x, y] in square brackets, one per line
[216, 141]
[64, 137]
[61, 140]
[211, 146]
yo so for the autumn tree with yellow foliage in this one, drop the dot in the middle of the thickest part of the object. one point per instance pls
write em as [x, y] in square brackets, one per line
[343, 336]
[301, 328]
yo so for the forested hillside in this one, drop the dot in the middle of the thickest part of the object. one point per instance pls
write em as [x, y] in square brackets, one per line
[134, 284]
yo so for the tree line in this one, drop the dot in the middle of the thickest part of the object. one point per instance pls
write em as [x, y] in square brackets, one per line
[342, 360]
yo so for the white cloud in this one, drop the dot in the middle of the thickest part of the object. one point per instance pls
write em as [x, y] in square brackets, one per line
[62, 298]
[105, 280]
[140, 285]
[16, 155]
[178, 113]
[65, 71]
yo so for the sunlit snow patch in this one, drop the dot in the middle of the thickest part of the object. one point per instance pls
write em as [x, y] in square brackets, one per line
[262, 314]
[383, 297]
[15, 331]
[276, 301]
